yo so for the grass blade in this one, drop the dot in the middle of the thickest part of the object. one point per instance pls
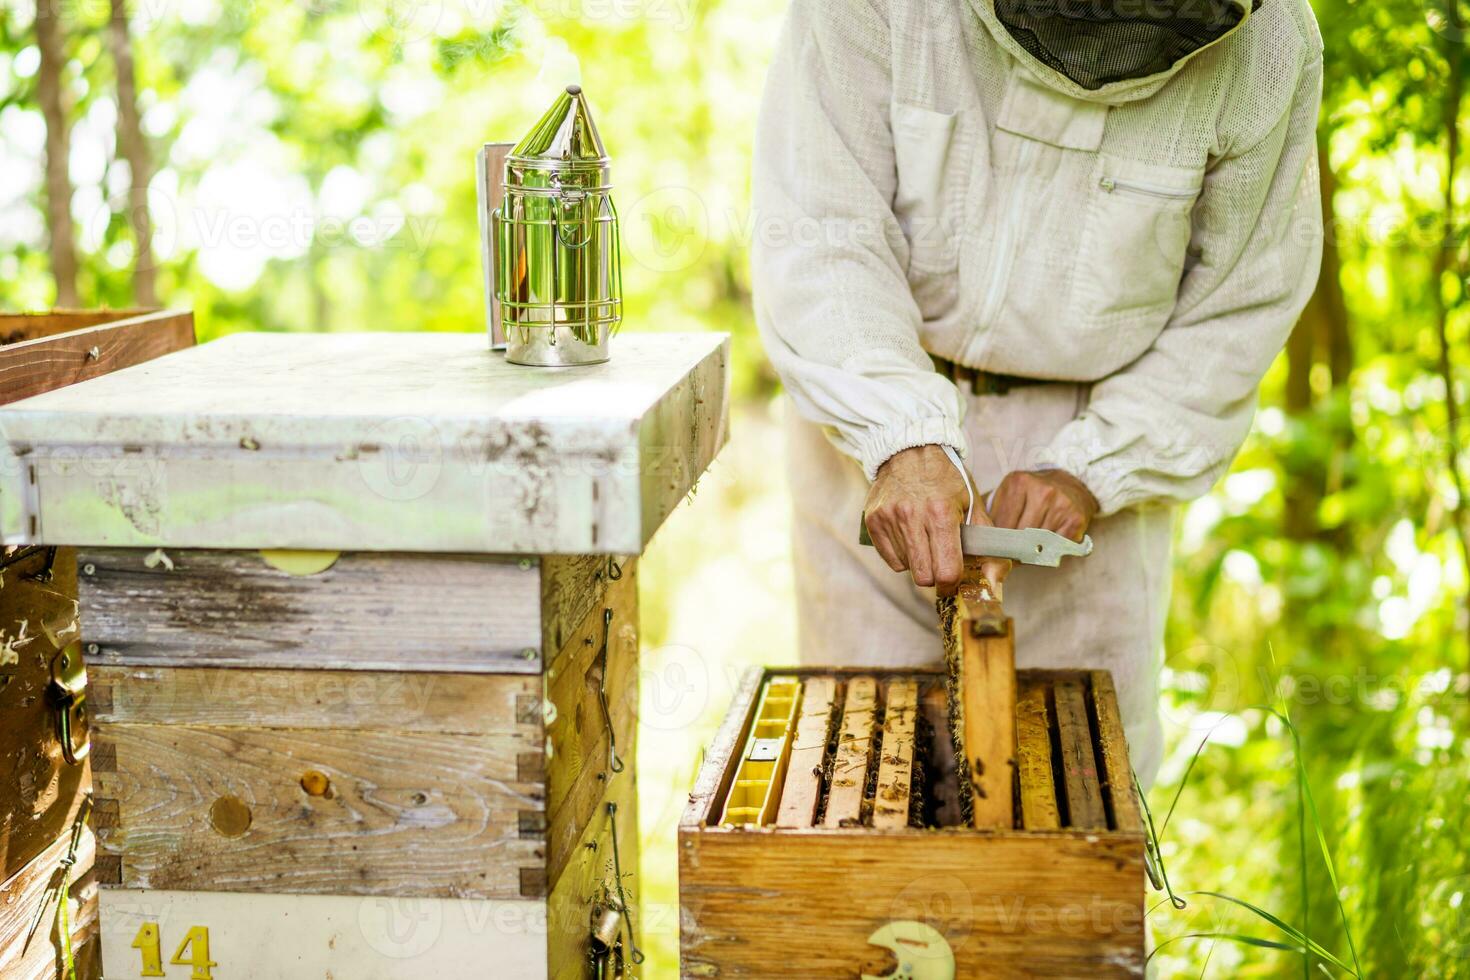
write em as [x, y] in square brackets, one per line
[1306, 943]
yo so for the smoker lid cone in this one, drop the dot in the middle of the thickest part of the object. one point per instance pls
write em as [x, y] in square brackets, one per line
[565, 137]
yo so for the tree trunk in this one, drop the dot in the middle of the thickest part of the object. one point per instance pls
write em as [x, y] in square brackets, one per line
[51, 40]
[134, 148]
[1321, 335]
[1303, 494]
[1335, 337]
[1443, 265]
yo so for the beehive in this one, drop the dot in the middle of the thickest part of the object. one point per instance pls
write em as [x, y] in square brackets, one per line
[866, 837]
[279, 747]
[360, 613]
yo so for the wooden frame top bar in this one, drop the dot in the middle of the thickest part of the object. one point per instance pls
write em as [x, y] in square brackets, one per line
[1116, 783]
[43, 351]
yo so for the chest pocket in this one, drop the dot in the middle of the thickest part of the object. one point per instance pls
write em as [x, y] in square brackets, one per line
[1127, 252]
[1135, 241]
[923, 142]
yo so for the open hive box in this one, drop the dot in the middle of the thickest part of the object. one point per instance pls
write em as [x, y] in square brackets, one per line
[824, 837]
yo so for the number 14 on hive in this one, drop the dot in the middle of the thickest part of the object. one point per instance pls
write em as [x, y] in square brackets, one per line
[149, 944]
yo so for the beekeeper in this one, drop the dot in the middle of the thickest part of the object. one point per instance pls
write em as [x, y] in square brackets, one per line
[1054, 243]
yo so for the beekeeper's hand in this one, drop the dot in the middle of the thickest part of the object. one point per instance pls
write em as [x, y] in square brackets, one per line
[1051, 499]
[914, 510]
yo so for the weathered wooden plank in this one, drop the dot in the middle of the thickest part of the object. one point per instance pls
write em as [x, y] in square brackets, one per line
[41, 790]
[1117, 781]
[368, 611]
[896, 767]
[54, 350]
[16, 327]
[401, 701]
[1079, 762]
[713, 781]
[30, 947]
[404, 441]
[588, 879]
[317, 812]
[802, 790]
[854, 754]
[571, 585]
[1033, 758]
[680, 436]
[1009, 904]
[580, 767]
[30, 325]
[321, 937]
[988, 685]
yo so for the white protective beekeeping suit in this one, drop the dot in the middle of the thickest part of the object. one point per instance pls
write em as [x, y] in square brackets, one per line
[1129, 209]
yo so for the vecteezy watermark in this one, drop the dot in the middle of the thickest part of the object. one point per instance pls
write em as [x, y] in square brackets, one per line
[675, 688]
[405, 928]
[941, 901]
[288, 233]
[955, 907]
[402, 22]
[1437, 916]
[1364, 688]
[400, 928]
[1436, 449]
[401, 695]
[300, 229]
[1026, 916]
[405, 457]
[678, 14]
[1209, 684]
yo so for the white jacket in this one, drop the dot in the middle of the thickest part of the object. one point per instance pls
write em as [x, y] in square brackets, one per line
[922, 183]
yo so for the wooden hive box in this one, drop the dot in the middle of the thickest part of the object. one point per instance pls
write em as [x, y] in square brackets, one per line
[865, 838]
[407, 751]
[368, 748]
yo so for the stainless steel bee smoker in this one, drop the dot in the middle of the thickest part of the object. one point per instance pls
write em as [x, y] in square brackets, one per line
[553, 265]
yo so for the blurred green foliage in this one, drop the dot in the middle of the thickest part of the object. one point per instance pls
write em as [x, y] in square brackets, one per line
[314, 172]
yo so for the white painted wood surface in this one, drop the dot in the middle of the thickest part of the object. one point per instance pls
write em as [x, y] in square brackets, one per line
[327, 937]
[403, 441]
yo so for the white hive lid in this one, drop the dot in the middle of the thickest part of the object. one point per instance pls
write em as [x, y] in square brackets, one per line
[367, 441]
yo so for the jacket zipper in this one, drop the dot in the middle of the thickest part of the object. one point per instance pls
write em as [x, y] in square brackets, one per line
[1111, 184]
[1005, 246]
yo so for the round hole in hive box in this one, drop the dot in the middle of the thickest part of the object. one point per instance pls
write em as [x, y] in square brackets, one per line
[316, 783]
[230, 816]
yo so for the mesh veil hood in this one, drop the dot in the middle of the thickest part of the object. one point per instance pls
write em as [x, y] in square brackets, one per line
[1125, 48]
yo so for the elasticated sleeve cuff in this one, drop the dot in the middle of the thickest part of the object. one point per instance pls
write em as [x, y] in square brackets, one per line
[881, 443]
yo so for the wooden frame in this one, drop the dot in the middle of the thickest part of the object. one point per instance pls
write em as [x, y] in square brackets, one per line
[987, 652]
[42, 351]
[1059, 903]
